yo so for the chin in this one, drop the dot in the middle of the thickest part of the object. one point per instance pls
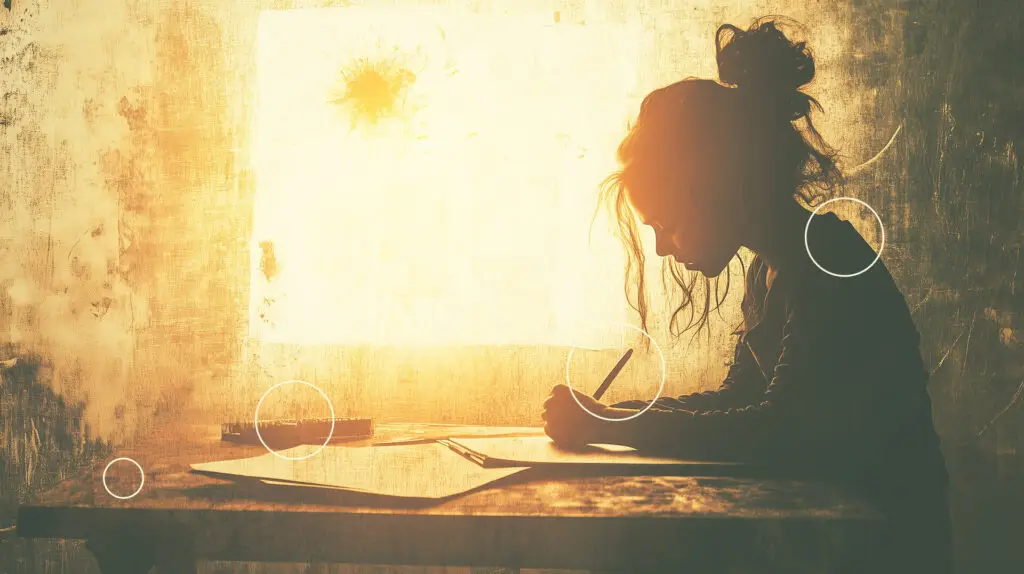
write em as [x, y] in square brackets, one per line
[705, 268]
[711, 270]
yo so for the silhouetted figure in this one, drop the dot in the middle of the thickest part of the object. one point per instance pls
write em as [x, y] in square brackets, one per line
[827, 380]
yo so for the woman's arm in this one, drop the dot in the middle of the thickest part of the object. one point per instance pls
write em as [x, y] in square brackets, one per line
[819, 396]
[744, 385]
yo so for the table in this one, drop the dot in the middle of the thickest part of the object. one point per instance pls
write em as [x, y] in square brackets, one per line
[534, 520]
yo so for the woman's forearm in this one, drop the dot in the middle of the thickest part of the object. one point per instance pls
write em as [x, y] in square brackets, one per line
[651, 429]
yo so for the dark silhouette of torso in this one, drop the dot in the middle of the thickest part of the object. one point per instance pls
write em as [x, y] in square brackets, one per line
[828, 382]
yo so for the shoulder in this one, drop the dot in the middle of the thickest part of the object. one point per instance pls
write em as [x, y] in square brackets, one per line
[835, 248]
[840, 269]
[856, 303]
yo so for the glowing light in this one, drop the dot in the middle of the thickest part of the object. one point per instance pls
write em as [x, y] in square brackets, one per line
[427, 177]
[373, 89]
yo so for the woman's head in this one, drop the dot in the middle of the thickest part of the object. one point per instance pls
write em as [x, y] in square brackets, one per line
[707, 163]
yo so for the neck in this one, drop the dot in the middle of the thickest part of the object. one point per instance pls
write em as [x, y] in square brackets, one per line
[778, 236]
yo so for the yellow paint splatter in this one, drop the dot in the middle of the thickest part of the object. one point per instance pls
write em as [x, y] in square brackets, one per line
[373, 89]
[268, 261]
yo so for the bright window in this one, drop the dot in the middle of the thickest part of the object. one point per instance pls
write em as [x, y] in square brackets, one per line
[428, 177]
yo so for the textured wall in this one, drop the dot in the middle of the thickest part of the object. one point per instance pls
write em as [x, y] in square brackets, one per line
[114, 140]
[126, 201]
[131, 199]
[960, 92]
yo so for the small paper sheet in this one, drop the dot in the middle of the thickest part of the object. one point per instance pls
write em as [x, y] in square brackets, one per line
[540, 450]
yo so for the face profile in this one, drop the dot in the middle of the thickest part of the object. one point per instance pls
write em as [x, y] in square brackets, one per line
[717, 168]
[695, 213]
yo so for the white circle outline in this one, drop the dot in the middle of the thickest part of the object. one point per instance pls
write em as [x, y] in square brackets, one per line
[568, 383]
[807, 245]
[256, 419]
[137, 490]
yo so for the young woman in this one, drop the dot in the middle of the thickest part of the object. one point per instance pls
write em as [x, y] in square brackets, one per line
[827, 379]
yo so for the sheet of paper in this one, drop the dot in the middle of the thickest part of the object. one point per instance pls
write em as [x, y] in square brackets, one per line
[428, 470]
[535, 451]
[397, 434]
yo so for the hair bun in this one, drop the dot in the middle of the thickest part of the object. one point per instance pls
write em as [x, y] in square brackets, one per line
[763, 59]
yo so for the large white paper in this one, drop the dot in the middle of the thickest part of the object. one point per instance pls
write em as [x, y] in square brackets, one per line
[428, 470]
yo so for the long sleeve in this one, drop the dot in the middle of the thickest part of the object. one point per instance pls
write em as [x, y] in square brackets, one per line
[743, 385]
[818, 398]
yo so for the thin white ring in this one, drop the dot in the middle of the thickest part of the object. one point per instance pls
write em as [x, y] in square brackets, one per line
[807, 245]
[568, 383]
[137, 490]
[256, 420]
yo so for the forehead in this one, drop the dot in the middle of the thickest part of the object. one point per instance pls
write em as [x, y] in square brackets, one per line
[648, 204]
[653, 188]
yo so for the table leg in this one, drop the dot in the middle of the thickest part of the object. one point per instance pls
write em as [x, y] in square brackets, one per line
[181, 567]
[176, 554]
[122, 554]
[185, 563]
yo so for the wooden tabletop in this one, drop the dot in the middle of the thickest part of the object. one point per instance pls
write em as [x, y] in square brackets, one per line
[537, 519]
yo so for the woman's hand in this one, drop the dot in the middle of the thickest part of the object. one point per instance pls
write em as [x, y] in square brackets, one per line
[569, 424]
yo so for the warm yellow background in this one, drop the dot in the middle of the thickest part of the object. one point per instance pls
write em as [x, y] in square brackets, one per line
[133, 166]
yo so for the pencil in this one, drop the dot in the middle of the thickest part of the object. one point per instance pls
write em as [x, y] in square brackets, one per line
[614, 373]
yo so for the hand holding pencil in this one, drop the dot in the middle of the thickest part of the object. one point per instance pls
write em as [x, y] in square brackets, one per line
[574, 418]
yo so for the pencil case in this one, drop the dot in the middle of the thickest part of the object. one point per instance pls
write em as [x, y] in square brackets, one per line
[295, 432]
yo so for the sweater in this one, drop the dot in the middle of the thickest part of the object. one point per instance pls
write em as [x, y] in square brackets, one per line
[827, 382]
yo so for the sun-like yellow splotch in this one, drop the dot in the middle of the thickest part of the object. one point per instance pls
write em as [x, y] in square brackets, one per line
[372, 90]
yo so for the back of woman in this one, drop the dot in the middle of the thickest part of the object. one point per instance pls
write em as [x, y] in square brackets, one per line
[827, 379]
[866, 349]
